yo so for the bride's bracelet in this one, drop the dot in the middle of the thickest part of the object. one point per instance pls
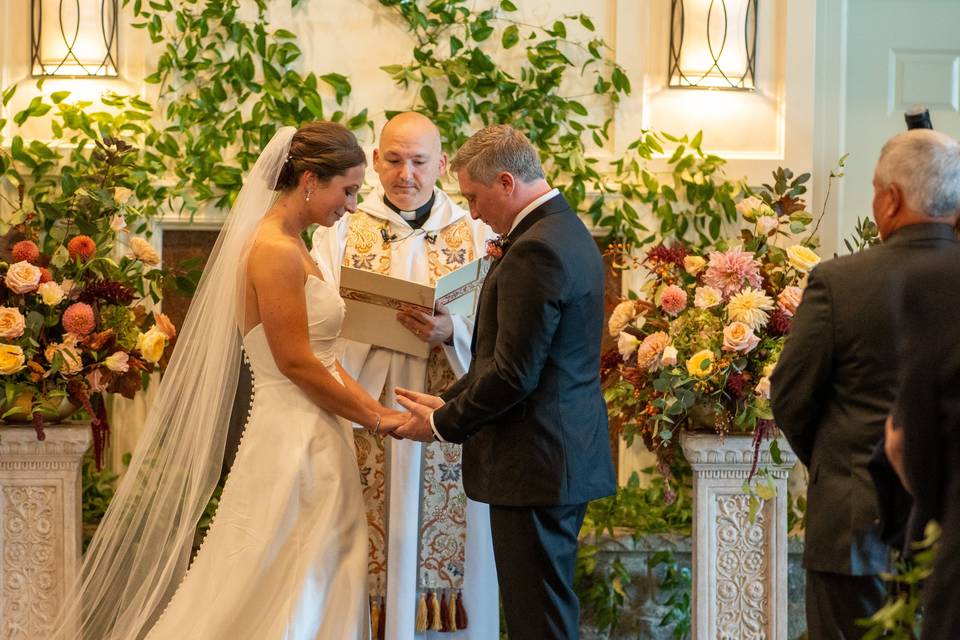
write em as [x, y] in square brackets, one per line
[376, 427]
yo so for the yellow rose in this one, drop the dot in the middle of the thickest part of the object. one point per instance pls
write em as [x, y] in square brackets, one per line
[701, 364]
[51, 293]
[122, 194]
[151, 344]
[11, 358]
[694, 264]
[802, 258]
[11, 322]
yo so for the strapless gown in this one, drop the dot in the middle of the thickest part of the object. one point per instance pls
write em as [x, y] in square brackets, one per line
[286, 555]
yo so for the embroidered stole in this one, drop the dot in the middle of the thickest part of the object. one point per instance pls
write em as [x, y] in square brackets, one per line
[443, 503]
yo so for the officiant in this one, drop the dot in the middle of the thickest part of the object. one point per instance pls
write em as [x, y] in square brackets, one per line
[431, 557]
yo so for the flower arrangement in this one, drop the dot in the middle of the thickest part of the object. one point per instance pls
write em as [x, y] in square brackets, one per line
[74, 305]
[697, 343]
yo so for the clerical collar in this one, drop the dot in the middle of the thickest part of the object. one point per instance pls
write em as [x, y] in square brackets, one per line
[417, 217]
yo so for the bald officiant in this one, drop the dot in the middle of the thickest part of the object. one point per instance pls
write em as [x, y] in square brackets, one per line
[431, 556]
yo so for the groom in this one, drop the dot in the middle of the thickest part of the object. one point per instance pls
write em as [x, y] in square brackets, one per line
[529, 412]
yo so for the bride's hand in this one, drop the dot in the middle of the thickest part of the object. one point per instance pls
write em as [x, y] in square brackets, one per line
[390, 421]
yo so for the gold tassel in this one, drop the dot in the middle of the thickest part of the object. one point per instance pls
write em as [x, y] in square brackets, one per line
[452, 614]
[461, 612]
[436, 621]
[374, 615]
[421, 623]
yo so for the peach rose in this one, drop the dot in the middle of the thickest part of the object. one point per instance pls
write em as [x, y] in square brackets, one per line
[22, 277]
[164, 324]
[11, 322]
[694, 264]
[621, 316]
[738, 336]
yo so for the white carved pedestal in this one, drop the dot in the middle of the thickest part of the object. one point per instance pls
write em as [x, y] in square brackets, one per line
[40, 524]
[739, 567]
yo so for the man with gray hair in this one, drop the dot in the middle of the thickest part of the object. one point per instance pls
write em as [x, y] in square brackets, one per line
[529, 412]
[837, 377]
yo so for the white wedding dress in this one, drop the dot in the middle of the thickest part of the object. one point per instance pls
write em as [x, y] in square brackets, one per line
[286, 555]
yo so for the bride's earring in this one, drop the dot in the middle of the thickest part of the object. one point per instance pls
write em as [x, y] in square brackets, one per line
[307, 198]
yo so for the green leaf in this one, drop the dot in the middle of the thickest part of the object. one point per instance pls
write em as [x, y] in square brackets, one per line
[559, 29]
[511, 36]
[429, 97]
[586, 22]
[8, 93]
[506, 5]
[775, 453]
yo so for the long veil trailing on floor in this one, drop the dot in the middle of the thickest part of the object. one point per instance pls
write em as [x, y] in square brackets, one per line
[142, 548]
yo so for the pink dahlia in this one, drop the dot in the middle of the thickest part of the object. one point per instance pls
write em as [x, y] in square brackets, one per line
[673, 300]
[78, 319]
[729, 271]
[26, 251]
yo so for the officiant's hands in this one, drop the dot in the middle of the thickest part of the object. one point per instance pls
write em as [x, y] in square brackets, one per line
[420, 405]
[434, 330]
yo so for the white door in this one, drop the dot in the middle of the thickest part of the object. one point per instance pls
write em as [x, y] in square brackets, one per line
[900, 53]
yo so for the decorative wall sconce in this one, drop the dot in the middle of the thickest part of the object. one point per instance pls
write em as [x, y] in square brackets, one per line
[74, 38]
[713, 44]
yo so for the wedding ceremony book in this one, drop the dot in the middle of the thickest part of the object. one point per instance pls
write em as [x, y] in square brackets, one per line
[373, 299]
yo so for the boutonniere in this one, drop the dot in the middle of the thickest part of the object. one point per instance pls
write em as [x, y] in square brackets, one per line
[497, 246]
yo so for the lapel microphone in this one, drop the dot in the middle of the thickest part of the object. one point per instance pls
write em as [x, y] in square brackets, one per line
[431, 237]
[387, 237]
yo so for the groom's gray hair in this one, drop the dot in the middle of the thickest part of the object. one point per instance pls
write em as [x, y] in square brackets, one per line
[495, 149]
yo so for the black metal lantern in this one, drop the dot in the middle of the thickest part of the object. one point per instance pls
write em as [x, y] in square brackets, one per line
[74, 38]
[713, 44]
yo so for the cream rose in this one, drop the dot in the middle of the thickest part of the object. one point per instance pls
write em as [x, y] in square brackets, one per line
[748, 206]
[22, 277]
[122, 195]
[694, 264]
[627, 343]
[118, 361]
[669, 356]
[117, 223]
[802, 258]
[706, 297]
[144, 251]
[151, 344]
[766, 224]
[11, 322]
[789, 300]
[738, 336]
[11, 358]
[51, 293]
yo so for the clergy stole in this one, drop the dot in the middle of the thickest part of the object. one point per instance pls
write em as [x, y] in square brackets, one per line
[443, 503]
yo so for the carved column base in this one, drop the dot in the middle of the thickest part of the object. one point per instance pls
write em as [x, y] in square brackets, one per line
[739, 566]
[40, 524]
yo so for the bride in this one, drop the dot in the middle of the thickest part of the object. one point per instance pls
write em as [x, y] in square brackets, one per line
[286, 556]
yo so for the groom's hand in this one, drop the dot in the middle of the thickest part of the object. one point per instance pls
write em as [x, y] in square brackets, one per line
[434, 330]
[420, 406]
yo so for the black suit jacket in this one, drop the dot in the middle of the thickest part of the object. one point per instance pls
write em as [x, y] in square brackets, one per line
[530, 412]
[834, 386]
[928, 409]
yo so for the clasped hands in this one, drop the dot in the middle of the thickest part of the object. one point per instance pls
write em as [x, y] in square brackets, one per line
[413, 424]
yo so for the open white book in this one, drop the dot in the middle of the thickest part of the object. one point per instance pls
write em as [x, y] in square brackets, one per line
[373, 300]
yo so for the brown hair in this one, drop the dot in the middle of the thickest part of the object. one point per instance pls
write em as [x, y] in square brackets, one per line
[326, 149]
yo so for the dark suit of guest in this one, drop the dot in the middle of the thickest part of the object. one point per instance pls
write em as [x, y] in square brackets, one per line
[831, 392]
[531, 415]
[928, 410]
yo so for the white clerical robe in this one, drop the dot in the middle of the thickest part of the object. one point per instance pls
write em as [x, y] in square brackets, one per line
[379, 371]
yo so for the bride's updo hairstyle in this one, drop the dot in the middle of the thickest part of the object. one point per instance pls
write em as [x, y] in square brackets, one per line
[326, 149]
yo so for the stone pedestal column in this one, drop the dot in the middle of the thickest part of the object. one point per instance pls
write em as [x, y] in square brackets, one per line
[739, 566]
[40, 524]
